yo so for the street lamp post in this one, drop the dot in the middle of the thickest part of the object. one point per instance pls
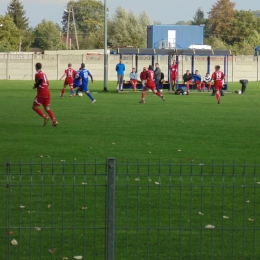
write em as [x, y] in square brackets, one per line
[105, 46]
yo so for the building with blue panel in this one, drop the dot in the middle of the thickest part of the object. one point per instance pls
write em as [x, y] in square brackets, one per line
[174, 36]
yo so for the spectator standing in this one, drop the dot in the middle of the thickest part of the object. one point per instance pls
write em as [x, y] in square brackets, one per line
[133, 78]
[120, 69]
[157, 75]
[174, 73]
[162, 80]
[197, 80]
[187, 78]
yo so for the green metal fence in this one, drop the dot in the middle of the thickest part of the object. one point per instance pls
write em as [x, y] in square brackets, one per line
[56, 209]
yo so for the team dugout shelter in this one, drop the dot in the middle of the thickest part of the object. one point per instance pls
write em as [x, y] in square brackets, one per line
[170, 53]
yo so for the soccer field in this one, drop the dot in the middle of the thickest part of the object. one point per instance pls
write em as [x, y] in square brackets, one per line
[54, 202]
[182, 128]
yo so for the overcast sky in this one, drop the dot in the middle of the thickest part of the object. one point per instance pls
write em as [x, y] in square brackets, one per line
[166, 11]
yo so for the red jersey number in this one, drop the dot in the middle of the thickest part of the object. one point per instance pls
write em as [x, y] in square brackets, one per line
[150, 75]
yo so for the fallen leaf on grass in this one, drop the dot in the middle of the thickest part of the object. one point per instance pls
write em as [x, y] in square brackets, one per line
[225, 217]
[179, 150]
[62, 160]
[137, 179]
[41, 156]
[113, 143]
[30, 212]
[84, 183]
[210, 226]
[84, 207]
[78, 257]
[11, 232]
[38, 172]
[52, 250]
[201, 213]
[248, 201]
[251, 219]
[22, 207]
[149, 152]
[49, 206]
[38, 228]
[14, 242]
[258, 182]
[65, 258]
[157, 182]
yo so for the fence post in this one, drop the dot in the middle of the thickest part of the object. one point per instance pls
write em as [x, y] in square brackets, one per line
[110, 208]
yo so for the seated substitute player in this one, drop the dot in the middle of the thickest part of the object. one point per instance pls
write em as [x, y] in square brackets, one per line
[76, 83]
[43, 96]
[150, 84]
[197, 80]
[219, 78]
[70, 74]
[133, 78]
[143, 76]
[187, 79]
[84, 73]
[206, 82]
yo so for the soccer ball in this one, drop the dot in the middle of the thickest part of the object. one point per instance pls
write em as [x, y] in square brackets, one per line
[184, 93]
[80, 94]
[239, 92]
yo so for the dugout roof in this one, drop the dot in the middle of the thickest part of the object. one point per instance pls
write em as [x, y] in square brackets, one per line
[187, 52]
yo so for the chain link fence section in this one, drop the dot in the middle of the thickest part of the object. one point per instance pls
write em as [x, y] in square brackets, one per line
[57, 209]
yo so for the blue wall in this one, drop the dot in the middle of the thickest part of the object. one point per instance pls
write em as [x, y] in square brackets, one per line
[186, 35]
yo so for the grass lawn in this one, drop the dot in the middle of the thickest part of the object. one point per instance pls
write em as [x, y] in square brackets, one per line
[48, 174]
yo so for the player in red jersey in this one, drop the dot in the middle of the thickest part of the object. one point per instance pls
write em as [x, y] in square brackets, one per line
[174, 73]
[219, 78]
[43, 96]
[150, 84]
[70, 74]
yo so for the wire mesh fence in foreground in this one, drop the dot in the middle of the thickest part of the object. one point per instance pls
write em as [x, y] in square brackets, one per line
[131, 210]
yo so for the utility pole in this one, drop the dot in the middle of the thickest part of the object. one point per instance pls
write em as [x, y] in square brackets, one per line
[68, 44]
[105, 46]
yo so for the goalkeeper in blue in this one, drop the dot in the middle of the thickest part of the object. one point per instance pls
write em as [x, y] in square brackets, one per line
[84, 74]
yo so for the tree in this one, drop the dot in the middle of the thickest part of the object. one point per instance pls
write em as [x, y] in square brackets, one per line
[89, 18]
[127, 29]
[242, 26]
[48, 36]
[183, 23]
[16, 11]
[256, 13]
[220, 18]
[198, 18]
[9, 34]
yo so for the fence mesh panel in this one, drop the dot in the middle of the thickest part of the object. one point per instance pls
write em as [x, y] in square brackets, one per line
[56, 209]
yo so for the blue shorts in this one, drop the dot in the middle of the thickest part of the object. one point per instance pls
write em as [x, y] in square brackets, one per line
[84, 88]
[76, 86]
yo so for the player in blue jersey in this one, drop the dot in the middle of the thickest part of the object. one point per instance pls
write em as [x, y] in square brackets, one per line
[76, 84]
[84, 74]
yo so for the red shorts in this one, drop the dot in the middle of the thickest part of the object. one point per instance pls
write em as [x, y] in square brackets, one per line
[42, 101]
[133, 80]
[68, 81]
[150, 85]
[173, 77]
[217, 86]
[188, 82]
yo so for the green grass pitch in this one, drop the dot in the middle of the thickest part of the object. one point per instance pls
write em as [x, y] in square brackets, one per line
[191, 129]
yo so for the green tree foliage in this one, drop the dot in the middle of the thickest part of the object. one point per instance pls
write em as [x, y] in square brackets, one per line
[220, 18]
[198, 18]
[48, 36]
[242, 26]
[16, 11]
[9, 34]
[183, 23]
[216, 43]
[127, 29]
[89, 18]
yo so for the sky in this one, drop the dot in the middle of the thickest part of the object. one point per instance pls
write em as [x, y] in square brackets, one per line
[166, 11]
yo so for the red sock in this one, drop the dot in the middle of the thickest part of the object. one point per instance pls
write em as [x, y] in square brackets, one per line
[158, 94]
[63, 91]
[51, 115]
[39, 112]
[217, 95]
[143, 95]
